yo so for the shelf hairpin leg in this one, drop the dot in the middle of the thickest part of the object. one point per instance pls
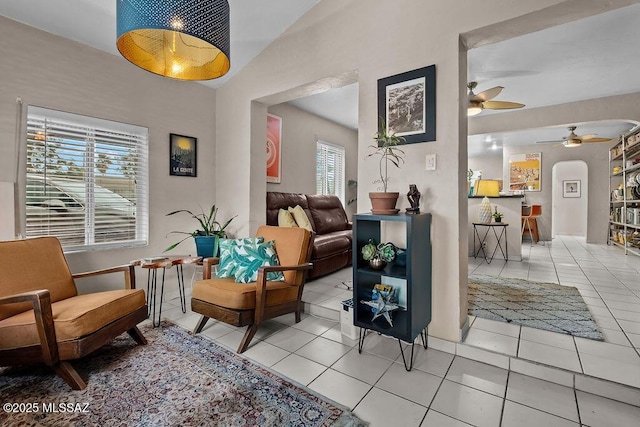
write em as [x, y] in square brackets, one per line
[361, 335]
[423, 338]
[407, 368]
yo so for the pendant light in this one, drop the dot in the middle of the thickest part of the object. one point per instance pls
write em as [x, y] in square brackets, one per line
[181, 39]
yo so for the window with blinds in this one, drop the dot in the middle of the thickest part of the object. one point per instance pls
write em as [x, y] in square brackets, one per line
[87, 181]
[330, 169]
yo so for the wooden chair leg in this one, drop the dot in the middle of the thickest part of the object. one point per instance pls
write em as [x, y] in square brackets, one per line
[248, 336]
[200, 325]
[65, 371]
[297, 313]
[137, 335]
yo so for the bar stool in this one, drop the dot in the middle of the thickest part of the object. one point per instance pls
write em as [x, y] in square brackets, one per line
[530, 223]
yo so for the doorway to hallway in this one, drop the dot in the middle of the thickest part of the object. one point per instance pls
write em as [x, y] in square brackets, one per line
[569, 198]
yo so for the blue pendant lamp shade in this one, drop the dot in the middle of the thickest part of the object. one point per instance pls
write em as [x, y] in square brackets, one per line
[181, 39]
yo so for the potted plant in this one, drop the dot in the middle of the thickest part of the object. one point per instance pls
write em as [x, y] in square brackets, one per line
[384, 203]
[207, 236]
[379, 254]
[497, 216]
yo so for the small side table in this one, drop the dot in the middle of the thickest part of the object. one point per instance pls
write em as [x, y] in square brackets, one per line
[482, 240]
[153, 265]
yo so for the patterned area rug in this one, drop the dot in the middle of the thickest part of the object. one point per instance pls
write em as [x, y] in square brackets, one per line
[537, 305]
[177, 379]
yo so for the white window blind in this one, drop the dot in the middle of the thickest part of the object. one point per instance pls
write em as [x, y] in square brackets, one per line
[330, 169]
[87, 181]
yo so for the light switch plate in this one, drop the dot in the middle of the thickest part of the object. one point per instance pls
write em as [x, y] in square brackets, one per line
[430, 162]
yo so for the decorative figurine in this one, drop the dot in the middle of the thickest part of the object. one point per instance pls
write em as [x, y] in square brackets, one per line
[381, 303]
[414, 199]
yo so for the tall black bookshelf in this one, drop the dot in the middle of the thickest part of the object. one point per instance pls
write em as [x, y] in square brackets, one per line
[414, 275]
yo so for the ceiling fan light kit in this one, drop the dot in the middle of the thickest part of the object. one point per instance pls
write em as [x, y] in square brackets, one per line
[181, 39]
[474, 109]
[572, 143]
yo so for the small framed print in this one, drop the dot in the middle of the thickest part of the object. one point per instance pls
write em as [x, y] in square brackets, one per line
[183, 155]
[571, 188]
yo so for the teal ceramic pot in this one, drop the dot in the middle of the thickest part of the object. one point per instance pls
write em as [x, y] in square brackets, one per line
[206, 246]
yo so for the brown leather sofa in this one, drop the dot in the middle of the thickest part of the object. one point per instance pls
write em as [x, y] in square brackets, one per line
[332, 243]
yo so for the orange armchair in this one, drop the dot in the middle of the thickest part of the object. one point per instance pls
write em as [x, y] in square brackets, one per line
[252, 303]
[44, 320]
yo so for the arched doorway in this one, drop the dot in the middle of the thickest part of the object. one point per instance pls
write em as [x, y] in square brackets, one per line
[569, 198]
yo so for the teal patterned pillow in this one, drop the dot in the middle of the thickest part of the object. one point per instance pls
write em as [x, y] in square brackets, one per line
[249, 258]
[227, 265]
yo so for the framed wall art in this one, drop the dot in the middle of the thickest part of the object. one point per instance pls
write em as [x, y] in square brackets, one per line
[524, 172]
[183, 155]
[274, 148]
[407, 104]
[571, 188]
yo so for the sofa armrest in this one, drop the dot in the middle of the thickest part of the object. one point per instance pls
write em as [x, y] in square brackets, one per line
[41, 301]
[207, 263]
[129, 274]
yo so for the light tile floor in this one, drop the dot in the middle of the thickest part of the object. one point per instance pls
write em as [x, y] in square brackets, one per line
[609, 282]
[443, 389]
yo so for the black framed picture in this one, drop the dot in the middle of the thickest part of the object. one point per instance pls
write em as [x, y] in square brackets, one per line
[407, 103]
[183, 155]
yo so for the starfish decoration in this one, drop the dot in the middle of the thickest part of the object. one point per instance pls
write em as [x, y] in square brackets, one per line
[383, 307]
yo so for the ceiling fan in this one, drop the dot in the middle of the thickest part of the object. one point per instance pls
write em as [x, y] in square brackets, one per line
[481, 101]
[573, 140]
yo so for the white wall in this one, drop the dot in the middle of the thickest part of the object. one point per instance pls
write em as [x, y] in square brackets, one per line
[570, 214]
[53, 72]
[300, 131]
[491, 166]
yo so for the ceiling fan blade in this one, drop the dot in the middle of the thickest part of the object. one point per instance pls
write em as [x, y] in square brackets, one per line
[587, 136]
[548, 142]
[501, 105]
[488, 94]
[596, 140]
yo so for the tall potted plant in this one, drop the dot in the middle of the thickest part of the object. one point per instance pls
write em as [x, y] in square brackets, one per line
[384, 203]
[207, 236]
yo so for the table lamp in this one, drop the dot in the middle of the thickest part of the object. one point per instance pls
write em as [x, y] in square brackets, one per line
[487, 187]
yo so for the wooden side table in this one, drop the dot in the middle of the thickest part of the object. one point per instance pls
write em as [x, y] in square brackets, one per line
[153, 265]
